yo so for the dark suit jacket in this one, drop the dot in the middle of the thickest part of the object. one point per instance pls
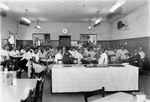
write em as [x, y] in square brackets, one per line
[134, 60]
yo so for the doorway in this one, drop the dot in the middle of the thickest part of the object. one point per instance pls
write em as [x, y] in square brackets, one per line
[64, 41]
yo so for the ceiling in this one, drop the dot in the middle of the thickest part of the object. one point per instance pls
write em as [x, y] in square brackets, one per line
[68, 10]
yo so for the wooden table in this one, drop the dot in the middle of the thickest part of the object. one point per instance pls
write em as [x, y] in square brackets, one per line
[16, 57]
[16, 60]
[118, 97]
[47, 61]
[16, 93]
[80, 78]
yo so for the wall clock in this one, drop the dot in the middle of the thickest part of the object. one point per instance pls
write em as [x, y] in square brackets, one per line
[65, 31]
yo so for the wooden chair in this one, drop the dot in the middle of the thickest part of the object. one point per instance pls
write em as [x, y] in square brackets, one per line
[41, 91]
[94, 93]
[38, 91]
[28, 99]
[35, 95]
[59, 61]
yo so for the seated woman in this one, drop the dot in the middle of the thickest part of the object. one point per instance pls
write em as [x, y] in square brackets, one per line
[38, 67]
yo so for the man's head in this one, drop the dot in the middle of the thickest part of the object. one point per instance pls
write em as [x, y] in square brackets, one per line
[122, 47]
[15, 48]
[136, 51]
[6, 48]
[115, 50]
[63, 49]
[42, 49]
[36, 50]
[140, 48]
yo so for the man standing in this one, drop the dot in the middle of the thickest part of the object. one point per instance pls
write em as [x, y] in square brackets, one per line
[142, 57]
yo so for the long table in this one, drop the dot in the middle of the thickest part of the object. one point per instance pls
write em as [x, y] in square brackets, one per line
[80, 78]
[119, 97]
[12, 93]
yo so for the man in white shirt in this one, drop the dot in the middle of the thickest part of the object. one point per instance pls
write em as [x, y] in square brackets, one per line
[42, 52]
[58, 56]
[142, 57]
[38, 42]
[5, 53]
[117, 54]
[91, 52]
[123, 53]
[142, 54]
[14, 52]
[86, 52]
[22, 63]
[78, 56]
[103, 58]
[5, 56]
[71, 50]
[22, 51]
[35, 59]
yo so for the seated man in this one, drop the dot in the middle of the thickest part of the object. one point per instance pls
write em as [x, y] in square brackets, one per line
[124, 54]
[42, 52]
[5, 56]
[67, 57]
[78, 55]
[23, 61]
[103, 58]
[116, 57]
[38, 67]
[14, 52]
[58, 56]
[135, 58]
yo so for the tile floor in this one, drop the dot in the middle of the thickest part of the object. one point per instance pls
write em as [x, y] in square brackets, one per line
[144, 83]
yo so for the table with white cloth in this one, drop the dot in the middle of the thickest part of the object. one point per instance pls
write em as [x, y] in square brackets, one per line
[10, 93]
[80, 78]
[119, 97]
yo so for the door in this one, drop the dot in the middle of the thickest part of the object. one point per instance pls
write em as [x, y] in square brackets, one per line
[64, 41]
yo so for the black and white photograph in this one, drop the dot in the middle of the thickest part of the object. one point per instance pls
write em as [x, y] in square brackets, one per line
[74, 50]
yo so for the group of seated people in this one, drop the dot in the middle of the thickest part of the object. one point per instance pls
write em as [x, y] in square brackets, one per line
[66, 55]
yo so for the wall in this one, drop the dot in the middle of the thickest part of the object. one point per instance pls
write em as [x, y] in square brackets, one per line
[7, 24]
[138, 23]
[55, 29]
[138, 34]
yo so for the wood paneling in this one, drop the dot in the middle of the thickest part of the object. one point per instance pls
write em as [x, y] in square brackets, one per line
[54, 43]
[25, 43]
[131, 44]
[104, 44]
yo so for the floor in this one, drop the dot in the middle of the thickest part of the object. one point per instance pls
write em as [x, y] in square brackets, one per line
[48, 97]
[144, 84]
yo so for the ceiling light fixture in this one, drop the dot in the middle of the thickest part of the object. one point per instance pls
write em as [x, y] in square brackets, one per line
[99, 19]
[3, 6]
[37, 25]
[24, 17]
[117, 5]
[90, 27]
